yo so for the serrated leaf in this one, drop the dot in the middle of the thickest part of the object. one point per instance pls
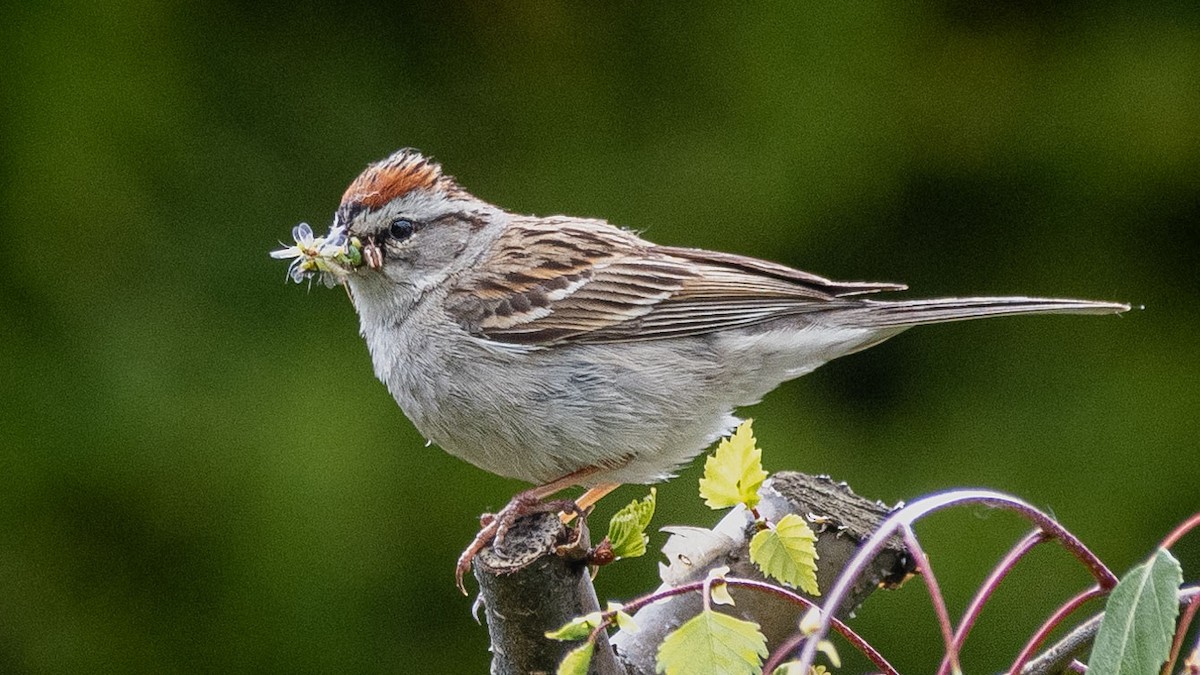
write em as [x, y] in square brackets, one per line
[733, 473]
[712, 643]
[787, 552]
[627, 528]
[577, 628]
[577, 660]
[1139, 619]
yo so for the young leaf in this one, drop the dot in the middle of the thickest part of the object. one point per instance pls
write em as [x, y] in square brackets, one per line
[577, 660]
[577, 628]
[788, 553]
[712, 643]
[826, 647]
[718, 591]
[1139, 619]
[733, 474]
[627, 528]
[624, 621]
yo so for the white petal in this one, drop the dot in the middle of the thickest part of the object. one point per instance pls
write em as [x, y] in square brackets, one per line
[336, 237]
[302, 233]
[297, 272]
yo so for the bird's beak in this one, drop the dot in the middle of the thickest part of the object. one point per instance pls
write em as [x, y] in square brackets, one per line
[372, 255]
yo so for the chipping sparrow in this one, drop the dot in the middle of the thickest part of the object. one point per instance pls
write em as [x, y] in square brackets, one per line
[566, 351]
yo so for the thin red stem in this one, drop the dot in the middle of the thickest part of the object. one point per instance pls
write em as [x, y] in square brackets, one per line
[910, 514]
[845, 631]
[1185, 622]
[935, 594]
[1055, 619]
[1180, 530]
[855, 640]
[999, 573]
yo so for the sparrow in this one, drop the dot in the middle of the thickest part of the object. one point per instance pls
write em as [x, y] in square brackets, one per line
[566, 351]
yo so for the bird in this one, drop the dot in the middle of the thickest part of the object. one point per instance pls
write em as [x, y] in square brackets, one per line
[566, 351]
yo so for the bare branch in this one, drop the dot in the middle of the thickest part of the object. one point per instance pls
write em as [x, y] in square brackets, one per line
[536, 582]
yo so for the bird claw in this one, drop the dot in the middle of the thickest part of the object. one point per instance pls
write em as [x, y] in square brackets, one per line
[486, 534]
[494, 527]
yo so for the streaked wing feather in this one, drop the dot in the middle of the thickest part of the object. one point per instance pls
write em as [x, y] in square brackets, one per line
[759, 269]
[570, 280]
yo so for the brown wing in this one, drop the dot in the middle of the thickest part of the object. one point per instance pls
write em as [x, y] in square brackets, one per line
[569, 280]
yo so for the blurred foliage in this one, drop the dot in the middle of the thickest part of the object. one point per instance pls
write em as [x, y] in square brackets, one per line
[198, 471]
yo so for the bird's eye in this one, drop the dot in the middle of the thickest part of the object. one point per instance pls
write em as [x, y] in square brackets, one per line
[401, 229]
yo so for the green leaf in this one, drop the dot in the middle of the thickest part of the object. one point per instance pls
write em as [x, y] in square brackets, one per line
[718, 591]
[733, 474]
[577, 628]
[622, 618]
[627, 528]
[787, 552]
[1139, 619]
[626, 622]
[712, 643]
[826, 647]
[577, 660]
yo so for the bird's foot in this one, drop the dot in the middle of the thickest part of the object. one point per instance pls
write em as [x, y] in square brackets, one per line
[494, 526]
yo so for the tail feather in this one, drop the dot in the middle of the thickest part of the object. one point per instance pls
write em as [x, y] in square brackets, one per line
[904, 313]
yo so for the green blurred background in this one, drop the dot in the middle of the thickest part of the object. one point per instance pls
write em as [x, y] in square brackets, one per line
[198, 471]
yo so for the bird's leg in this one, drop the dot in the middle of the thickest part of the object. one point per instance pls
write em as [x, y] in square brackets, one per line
[493, 526]
[588, 499]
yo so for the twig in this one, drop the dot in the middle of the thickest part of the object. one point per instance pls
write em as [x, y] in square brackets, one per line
[906, 517]
[985, 592]
[1051, 623]
[1181, 630]
[935, 593]
[1058, 656]
[841, 521]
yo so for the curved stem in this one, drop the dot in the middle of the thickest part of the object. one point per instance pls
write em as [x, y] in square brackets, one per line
[975, 608]
[1180, 530]
[1185, 622]
[855, 640]
[1056, 618]
[908, 515]
[844, 630]
[935, 594]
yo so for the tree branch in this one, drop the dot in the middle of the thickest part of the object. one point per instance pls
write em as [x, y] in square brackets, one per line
[536, 582]
[843, 519]
[1078, 642]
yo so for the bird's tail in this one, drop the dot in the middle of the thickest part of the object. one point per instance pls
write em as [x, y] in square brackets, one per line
[905, 313]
